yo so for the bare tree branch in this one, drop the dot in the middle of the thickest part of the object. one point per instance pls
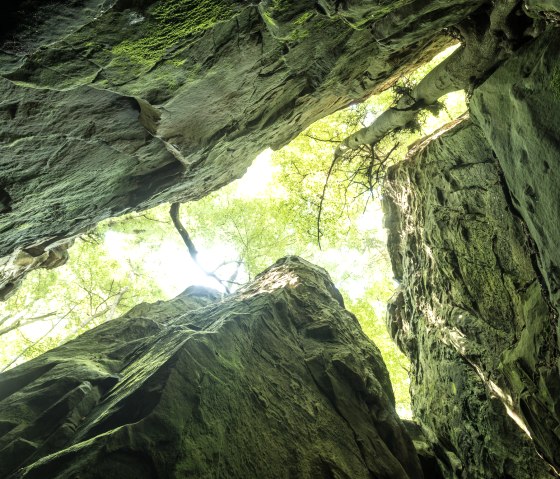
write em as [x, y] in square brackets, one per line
[19, 323]
[149, 218]
[320, 211]
[174, 213]
[109, 309]
[22, 353]
[325, 140]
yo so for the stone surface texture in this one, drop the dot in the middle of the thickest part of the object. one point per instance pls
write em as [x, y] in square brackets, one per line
[112, 106]
[474, 231]
[471, 312]
[523, 99]
[518, 108]
[275, 381]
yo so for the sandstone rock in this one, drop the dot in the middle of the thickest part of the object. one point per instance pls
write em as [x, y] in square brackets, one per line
[437, 463]
[471, 313]
[15, 266]
[277, 380]
[518, 108]
[112, 106]
[109, 106]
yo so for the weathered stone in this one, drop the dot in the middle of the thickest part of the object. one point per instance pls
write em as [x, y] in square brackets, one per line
[549, 9]
[118, 105]
[436, 462]
[518, 108]
[108, 106]
[471, 313]
[15, 266]
[277, 380]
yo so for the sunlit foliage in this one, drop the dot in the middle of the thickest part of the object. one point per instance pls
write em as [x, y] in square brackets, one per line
[53, 306]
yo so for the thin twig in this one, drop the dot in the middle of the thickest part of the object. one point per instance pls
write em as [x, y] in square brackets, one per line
[326, 140]
[109, 309]
[38, 340]
[149, 218]
[322, 199]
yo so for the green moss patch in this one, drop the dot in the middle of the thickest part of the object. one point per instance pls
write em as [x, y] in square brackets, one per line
[167, 26]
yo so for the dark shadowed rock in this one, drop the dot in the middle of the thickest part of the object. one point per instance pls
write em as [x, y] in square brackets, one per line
[518, 108]
[470, 313]
[275, 381]
[111, 106]
[436, 462]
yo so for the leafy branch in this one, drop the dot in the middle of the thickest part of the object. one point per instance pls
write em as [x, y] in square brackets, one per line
[479, 55]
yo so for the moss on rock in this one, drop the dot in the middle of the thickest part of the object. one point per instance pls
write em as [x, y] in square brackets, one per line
[471, 314]
[169, 24]
[197, 387]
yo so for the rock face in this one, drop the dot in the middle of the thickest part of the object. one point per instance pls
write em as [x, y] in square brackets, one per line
[473, 228]
[470, 312]
[111, 106]
[525, 96]
[275, 381]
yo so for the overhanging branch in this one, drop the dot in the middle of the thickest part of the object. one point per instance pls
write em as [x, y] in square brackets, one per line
[470, 63]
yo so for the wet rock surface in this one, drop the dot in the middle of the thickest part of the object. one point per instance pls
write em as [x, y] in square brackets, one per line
[470, 313]
[277, 380]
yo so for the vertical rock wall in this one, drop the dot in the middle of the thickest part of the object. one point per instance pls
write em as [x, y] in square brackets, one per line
[470, 312]
[518, 110]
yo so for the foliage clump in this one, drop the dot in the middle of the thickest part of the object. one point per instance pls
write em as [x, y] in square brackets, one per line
[54, 306]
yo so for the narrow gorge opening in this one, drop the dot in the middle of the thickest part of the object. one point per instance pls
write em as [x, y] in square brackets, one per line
[442, 118]
[294, 201]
